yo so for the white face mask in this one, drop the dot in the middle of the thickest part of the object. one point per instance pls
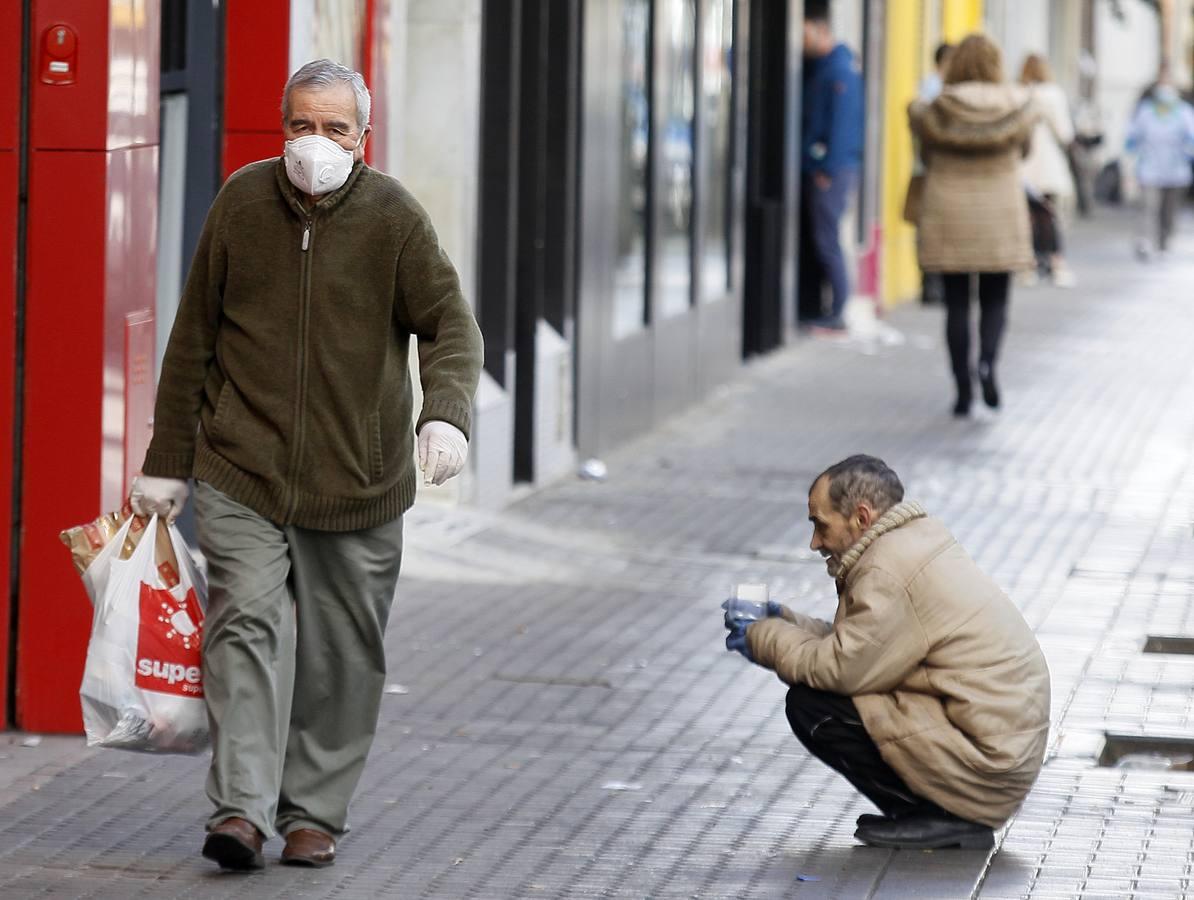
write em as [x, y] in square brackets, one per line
[1165, 94]
[317, 165]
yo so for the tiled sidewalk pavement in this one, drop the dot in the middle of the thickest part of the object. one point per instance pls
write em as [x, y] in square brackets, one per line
[566, 723]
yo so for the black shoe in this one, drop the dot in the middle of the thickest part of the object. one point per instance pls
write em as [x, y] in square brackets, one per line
[964, 395]
[867, 819]
[986, 377]
[235, 844]
[927, 833]
[883, 818]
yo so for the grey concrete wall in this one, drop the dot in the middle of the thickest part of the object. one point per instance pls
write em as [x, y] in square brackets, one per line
[432, 51]
[433, 119]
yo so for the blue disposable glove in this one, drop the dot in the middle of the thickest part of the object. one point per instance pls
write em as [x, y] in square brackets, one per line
[736, 640]
[746, 611]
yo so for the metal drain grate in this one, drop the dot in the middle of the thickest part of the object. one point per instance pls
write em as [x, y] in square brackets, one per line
[1142, 751]
[1167, 643]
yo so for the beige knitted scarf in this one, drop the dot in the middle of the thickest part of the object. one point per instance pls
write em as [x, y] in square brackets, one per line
[900, 514]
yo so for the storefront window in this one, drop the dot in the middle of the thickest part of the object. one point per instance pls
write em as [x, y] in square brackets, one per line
[717, 102]
[678, 45]
[327, 29]
[630, 278]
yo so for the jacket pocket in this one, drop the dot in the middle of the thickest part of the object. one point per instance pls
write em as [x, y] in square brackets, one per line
[377, 462]
[219, 418]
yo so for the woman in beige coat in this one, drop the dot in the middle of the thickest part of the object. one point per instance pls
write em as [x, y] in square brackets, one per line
[974, 214]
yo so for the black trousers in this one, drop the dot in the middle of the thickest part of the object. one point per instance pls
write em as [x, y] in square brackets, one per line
[829, 727]
[993, 291]
[1046, 232]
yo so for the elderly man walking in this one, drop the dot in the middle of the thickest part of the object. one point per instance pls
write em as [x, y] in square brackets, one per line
[928, 692]
[285, 394]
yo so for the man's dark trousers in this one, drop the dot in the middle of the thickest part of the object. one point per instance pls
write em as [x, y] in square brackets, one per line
[829, 727]
[823, 209]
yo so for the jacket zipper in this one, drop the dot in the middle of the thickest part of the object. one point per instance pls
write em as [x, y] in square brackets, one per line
[296, 452]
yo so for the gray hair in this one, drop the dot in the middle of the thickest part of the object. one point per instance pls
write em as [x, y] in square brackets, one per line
[862, 479]
[321, 73]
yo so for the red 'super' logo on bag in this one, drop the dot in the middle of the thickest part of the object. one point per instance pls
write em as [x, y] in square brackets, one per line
[168, 643]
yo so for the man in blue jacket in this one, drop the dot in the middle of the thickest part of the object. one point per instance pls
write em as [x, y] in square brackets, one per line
[831, 154]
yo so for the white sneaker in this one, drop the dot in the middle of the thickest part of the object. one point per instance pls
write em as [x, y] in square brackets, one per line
[1064, 277]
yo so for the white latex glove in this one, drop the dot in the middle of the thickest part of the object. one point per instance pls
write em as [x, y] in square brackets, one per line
[443, 449]
[164, 496]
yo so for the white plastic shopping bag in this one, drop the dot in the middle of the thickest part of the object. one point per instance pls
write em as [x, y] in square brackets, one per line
[142, 683]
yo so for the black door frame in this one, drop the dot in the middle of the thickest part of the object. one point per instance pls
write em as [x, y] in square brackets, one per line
[193, 35]
[773, 174]
[528, 210]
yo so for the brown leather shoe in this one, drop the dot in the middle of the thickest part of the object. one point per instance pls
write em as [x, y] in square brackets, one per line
[235, 844]
[308, 847]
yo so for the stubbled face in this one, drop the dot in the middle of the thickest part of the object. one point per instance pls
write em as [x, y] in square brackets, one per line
[330, 112]
[833, 533]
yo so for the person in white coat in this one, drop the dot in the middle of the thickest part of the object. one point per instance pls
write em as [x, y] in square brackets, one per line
[1047, 175]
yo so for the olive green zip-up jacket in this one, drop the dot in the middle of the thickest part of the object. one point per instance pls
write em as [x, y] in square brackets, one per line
[286, 382]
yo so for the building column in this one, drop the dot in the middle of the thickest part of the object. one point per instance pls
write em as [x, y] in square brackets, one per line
[89, 284]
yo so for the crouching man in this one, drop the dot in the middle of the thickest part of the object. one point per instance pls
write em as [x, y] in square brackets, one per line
[929, 692]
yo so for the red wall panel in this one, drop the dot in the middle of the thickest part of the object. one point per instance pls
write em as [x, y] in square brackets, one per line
[64, 361]
[71, 116]
[244, 147]
[10, 74]
[130, 285]
[256, 65]
[8, 283]
[10, 110]
[373, 62]
[90, 264]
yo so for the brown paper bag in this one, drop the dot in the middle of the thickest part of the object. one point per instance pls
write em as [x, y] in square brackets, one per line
[85, 542]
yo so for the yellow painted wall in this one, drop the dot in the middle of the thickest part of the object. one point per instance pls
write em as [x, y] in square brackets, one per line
[900, 275]
[960, 18]
[906, 33]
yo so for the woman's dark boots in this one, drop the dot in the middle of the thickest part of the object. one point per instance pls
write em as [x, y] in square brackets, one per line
[986, 378]
[962, 405]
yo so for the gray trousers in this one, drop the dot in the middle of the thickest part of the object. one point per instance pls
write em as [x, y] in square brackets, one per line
[1159, 212]
[293, 662]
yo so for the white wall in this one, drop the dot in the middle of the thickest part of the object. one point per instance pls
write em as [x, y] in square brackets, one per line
[1019, 28]
[1065, 43]
[329, 29]
[431, 57]
[433, 120]
[847, 17]
[1127, 53]
[1182, 45]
